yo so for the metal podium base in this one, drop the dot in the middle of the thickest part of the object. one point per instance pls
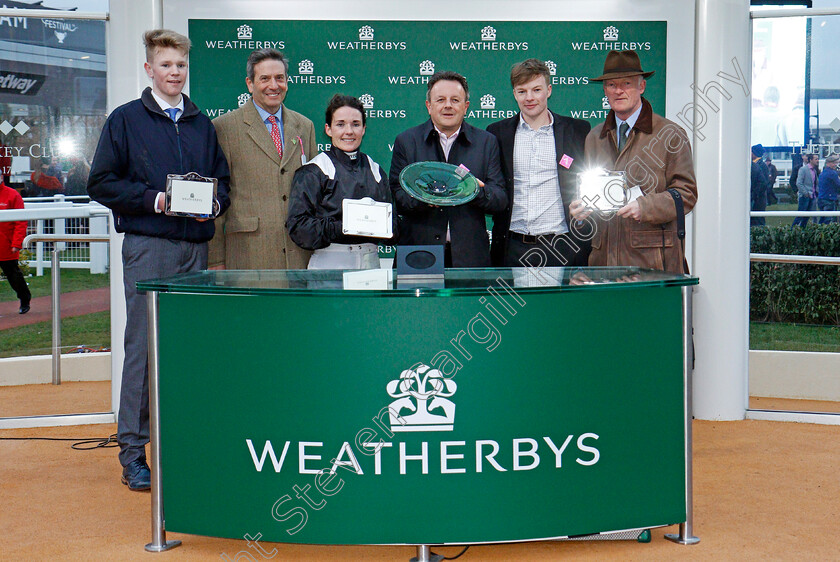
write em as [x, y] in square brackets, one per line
[682, 540]
[424, 554]
[168, 545]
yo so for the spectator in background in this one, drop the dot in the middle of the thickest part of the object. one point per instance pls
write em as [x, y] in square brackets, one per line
[11, 241]
[759, 184]
[829, 186]
[41, 178]
[806, 186]
[774, 173]
[77, 177]
[797, 161]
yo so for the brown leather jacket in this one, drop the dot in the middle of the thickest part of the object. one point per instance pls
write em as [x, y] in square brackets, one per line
[656, 157]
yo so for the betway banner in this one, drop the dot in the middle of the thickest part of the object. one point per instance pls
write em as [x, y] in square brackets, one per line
[20, 83]
[387, 64]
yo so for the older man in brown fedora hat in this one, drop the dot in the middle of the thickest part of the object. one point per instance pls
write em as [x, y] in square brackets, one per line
[655, 156]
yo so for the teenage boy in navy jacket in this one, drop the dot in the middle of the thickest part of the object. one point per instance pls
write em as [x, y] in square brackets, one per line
[142, 141]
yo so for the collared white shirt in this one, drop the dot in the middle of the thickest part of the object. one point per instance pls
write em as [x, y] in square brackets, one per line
[164, 105]
[537, 203]
[630, 121]
[264, 115]
[447, 142]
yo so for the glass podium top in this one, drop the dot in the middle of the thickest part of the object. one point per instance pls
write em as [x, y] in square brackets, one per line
[386, 282]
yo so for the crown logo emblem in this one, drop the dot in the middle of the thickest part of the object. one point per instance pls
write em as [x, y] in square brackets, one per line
[605, 103]
[6, 127]
[306, 66]
[488, 102]
[427, 68]
[243, 99]
[366, 33]
[367, 101]
[611, 33]
[488, 34]
[424, 394]
[244, 31]
[552, 67]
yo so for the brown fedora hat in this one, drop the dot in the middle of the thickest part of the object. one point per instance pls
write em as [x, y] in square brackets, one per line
[622, 63]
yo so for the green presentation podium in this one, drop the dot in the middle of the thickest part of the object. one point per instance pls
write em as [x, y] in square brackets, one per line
[489, 405]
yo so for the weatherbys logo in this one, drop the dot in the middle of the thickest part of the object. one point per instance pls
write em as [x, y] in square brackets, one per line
[610, 42]
[243, 99]
[488, 109]
[244, 40]
[366, 43]
[60, 28]
[427, 68]
[306, 75]
[488, 43]
[371, 113]
[563, 80]
[593, 113]
[422, 394]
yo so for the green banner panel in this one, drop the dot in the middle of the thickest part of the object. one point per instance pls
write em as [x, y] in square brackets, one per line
[388, 63]
[438, 419]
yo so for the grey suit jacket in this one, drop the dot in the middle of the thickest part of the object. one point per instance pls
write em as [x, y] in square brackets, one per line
[252, 234]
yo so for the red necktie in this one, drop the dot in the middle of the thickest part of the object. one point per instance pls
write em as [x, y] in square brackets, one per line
[275, 135]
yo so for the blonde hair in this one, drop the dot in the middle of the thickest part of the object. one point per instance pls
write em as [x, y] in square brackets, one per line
[155, 39]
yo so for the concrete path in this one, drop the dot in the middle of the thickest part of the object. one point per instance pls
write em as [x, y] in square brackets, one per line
[72, 304]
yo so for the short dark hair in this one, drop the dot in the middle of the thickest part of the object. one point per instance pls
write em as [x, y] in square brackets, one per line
[446, 75]
[814, 157]
[256, 57]
[155, 39]
[527, 70]
[338, 101]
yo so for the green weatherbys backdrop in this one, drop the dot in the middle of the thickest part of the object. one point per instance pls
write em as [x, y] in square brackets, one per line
[388, 63]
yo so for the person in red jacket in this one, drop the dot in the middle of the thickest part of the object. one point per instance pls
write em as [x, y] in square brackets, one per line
[11, 241]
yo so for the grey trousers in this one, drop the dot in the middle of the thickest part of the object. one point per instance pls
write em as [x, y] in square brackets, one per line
[145, 258]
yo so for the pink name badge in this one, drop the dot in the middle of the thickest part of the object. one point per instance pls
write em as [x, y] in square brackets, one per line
[566, 161]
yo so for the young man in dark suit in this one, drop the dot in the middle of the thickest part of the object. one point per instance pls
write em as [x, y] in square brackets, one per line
[541, 154]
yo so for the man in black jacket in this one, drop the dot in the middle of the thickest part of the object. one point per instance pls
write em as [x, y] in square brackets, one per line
[445, 137]
[142, 141]
[541, 155]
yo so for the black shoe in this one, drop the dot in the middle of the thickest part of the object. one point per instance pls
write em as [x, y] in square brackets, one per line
[24, 308]
[137, 475]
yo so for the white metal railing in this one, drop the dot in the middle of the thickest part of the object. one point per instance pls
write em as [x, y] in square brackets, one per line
[59, 215]
[782, 258]
[56, 288]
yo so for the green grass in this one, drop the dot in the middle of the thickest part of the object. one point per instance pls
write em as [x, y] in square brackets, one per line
[90, 330]
[781, 221]
[71, 280]
[794, 337]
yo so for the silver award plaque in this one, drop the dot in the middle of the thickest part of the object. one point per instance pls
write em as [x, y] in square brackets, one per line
[366, 217]
[191, 195]
[601, 190]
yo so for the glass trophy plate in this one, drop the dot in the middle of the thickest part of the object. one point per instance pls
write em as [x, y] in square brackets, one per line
[439, 183]
[191, 195]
